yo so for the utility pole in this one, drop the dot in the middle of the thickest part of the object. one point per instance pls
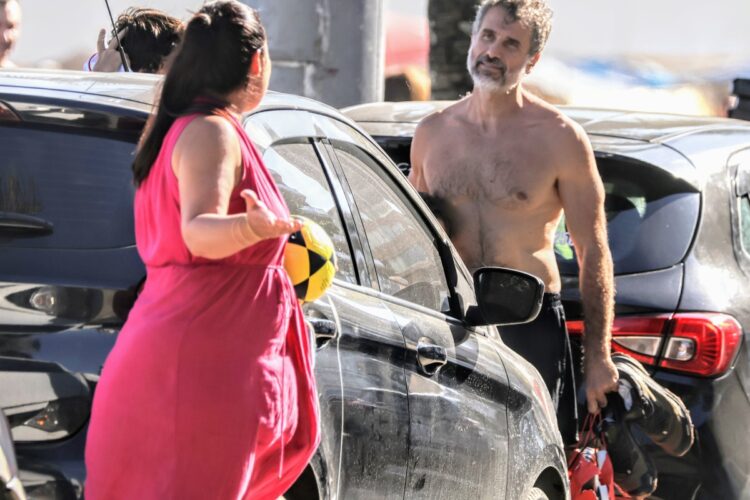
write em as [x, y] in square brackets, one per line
[329, 50]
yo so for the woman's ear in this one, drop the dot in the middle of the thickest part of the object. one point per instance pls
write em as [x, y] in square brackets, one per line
[256, 63]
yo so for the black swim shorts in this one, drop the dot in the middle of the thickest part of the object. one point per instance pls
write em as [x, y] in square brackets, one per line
[545, 344]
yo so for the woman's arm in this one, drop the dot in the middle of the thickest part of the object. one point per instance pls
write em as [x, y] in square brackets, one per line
[207, 162]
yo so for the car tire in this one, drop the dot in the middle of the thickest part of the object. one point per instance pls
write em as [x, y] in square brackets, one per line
[536, 494]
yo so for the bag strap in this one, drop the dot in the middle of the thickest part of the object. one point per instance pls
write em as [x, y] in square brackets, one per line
[590, 423]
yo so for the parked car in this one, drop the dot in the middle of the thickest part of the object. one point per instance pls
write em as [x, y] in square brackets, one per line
[419, 398]
[678, 216]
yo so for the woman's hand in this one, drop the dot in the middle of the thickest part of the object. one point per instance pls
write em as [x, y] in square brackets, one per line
[262, 222]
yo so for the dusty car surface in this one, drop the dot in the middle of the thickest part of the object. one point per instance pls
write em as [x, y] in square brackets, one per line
[419, 398]
[678, 215]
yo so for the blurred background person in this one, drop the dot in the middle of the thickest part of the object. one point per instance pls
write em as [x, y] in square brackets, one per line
[10, 28]
[148, 37]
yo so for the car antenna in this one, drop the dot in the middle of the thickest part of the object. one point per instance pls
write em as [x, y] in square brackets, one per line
[117, 37]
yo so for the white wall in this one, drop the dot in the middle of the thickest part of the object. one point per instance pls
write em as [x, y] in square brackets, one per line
[58, 28]
[654, 27]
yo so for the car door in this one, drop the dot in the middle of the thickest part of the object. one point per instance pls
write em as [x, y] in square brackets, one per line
[358, 366]
[68, 274]
[456, 381]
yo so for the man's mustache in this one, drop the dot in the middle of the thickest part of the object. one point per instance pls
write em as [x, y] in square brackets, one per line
[490, 61]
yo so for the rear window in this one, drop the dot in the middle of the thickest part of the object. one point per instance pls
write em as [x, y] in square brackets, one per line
[651, 218]
[79, 186]
[399, 150]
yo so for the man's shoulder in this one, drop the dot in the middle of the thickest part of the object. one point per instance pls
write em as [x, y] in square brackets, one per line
[564, 138]
[560, 130]
[441, 118]
[550, 116]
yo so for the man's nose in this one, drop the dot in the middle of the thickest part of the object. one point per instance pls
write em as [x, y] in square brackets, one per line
[495, 49]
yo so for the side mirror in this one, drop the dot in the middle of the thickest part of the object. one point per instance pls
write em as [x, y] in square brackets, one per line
[505, 297]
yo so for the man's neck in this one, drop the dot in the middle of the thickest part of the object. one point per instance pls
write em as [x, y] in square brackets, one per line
[5, 62]
[488, 107]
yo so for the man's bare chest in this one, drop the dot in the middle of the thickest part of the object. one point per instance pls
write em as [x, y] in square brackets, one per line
[510, 175]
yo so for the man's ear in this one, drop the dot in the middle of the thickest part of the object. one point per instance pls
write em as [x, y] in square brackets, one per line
[535, 59]
[256, 63]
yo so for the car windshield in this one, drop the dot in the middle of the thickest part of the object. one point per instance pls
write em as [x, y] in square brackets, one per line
[651, 218]
[77, 186]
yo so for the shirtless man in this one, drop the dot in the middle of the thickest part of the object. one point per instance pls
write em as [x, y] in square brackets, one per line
[508, 165]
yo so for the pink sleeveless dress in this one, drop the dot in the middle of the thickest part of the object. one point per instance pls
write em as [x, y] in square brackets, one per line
[209, 391]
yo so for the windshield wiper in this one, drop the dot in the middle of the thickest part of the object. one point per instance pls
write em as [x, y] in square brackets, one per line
[24, 226]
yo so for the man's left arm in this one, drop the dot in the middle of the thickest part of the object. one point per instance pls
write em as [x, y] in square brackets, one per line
[582, 195]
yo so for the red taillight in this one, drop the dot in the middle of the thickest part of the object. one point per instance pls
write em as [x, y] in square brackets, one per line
[715, 339]
[636, 336]
[8, 114]
[702, 344]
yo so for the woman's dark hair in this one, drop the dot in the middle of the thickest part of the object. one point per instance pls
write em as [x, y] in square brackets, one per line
[439, 208]
[151, 37]
[212, 61]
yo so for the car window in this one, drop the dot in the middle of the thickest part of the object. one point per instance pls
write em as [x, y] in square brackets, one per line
[651, 218]
[407, 262]
[80, 184]
[398, 150]
[297, 171]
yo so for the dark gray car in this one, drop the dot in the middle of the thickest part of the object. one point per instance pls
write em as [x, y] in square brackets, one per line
[678, 215]
[418, 397]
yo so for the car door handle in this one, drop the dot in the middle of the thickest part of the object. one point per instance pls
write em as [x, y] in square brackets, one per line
[430, 357]
[20, 225]
[324, 330]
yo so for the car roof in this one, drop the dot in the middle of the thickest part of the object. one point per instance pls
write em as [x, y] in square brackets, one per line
[631, 125]
[133, 91]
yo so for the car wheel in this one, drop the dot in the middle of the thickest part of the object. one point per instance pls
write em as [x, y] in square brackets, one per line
[536, 494]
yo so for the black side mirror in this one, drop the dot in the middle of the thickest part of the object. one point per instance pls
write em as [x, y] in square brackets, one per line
[505, 297]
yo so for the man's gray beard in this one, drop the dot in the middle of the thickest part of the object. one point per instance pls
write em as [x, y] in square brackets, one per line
[485, 83]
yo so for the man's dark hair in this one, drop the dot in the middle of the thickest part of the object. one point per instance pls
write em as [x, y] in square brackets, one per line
[439, 208]
[151, 37]
[535, 14]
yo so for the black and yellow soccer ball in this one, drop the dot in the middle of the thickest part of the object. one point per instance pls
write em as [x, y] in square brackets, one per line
[310, 260]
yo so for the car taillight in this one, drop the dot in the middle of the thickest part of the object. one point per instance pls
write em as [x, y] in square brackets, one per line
[713, 339]
[8, 114]
[702, 344]
[636, 336]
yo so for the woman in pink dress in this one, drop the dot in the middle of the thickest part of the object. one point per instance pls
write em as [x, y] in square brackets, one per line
[209, 391]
